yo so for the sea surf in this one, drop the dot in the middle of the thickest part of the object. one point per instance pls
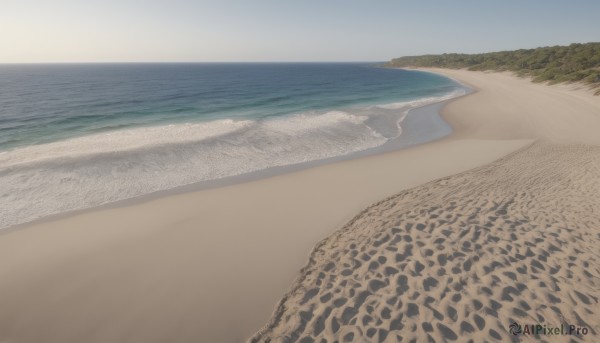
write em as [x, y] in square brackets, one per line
[79, 136]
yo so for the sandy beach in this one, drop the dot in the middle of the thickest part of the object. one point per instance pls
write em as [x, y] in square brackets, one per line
[464, 257]
[497, 222]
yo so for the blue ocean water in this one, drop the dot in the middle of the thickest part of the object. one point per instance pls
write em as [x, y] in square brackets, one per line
[76, 136]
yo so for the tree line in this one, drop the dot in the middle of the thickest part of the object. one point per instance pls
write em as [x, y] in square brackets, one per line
[555, 64]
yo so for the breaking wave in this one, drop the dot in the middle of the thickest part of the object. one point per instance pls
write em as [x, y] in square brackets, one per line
[83, 172]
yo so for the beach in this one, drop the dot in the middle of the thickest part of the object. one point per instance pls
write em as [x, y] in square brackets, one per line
[66, 149]
[520, 231]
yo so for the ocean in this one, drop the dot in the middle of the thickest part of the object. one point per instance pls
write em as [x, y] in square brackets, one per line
[75, 136]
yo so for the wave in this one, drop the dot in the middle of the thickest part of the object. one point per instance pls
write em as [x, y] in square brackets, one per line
[88, 171]
[423, 101]
[120, 140]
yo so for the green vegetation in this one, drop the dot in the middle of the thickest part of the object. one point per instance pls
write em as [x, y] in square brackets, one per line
[573, 63]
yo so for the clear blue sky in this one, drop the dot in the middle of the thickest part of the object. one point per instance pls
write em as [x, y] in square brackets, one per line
[283, 30]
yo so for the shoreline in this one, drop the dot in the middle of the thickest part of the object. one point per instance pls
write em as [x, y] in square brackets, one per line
[211, 265]
[430, 131]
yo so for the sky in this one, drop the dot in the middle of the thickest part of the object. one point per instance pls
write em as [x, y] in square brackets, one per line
[43, 31]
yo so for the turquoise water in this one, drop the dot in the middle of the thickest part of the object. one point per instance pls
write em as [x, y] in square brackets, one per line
[44, 103]
[77, 136]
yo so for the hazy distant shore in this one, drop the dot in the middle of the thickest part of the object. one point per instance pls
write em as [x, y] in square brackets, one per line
[211, 265]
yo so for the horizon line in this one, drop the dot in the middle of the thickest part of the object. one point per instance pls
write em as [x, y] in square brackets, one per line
[188, 62]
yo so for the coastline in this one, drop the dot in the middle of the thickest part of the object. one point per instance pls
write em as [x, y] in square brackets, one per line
[87, 171]
[231, 273]
[421, 125]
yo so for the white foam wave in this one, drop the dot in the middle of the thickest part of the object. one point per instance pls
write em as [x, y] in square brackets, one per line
[88, 171]
[83, 172]
[422, 101]
[121, 140]
[309, 121]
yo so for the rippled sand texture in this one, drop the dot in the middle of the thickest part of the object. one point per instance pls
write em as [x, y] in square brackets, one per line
[460, 258]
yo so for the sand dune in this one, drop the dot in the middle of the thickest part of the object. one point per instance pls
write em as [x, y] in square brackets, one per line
[463, 257]
[460, 258]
